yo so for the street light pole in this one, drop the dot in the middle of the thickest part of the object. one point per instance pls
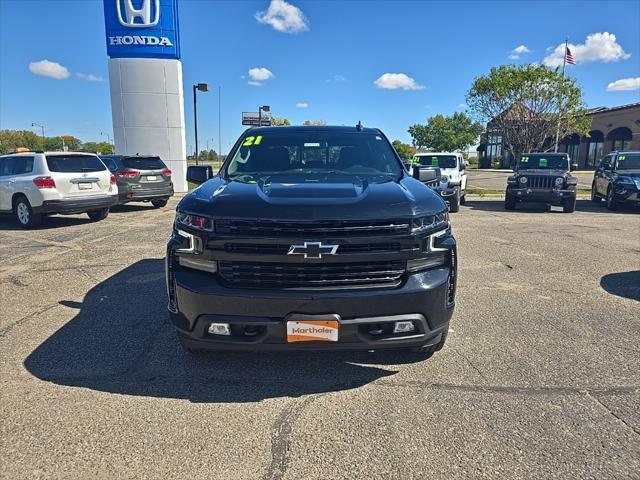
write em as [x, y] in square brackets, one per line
[203, 87]
[42, 127]
[219, 120]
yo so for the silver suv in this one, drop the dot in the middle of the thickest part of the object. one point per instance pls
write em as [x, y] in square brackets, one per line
[36, 184]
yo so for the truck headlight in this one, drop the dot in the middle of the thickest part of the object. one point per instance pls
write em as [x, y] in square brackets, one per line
[444, 179]
[559, 181]
[523, 180]
[421, 224]
[196, 222]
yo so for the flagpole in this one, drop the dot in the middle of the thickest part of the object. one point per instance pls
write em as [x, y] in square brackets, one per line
[564, 64]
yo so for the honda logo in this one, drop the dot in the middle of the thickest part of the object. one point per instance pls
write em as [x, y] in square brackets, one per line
[313, 249]
[138, 17]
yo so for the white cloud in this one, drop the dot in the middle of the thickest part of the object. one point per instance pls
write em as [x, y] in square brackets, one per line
[462, 105]
[302, 105]
[284, 17]
[624, 84]
[519, 50]
[393, 81]
[598, 47]
[49, 69]
[258, 75]
[90, 77]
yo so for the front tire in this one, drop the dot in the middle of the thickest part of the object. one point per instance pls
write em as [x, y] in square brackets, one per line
[97, 215]
[611, 203]
[569, 205]
[509, 202]
[159, 202]
[454, 203]
[24, 213]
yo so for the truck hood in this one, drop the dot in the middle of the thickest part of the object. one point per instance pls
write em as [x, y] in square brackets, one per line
[321, 197]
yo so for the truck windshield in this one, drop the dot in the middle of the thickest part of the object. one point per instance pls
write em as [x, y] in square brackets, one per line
[442, 161]
[628, 161]
[547, 161]
[313, 152]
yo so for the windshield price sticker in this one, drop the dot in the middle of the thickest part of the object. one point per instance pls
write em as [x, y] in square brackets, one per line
[435, 161]
[251, 141]
[524, 160]
[621, 158]
[543, 162]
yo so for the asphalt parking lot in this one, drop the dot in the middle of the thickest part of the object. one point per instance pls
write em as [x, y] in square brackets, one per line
[539, 378]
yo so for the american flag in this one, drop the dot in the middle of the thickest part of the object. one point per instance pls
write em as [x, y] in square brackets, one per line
[568, 57]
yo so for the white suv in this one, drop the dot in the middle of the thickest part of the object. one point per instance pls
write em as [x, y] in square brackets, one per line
[453, 169]
[35, 184]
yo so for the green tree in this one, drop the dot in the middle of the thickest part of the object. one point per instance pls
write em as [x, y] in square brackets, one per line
[278, 121]
[441, 133]
[404, 150]
[97, 147]
[528, 105]
[12, 139]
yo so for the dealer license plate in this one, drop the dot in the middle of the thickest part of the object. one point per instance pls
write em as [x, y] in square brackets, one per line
[312, 331]
[85, 186]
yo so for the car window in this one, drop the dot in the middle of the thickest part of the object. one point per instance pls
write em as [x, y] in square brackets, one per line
[544, 161]
[6, 164]
[606, 163]
[442, 161]
[143, 163]
[313, 152]
[110, 163]
[74, 163]
[628, 161]
[21, 165]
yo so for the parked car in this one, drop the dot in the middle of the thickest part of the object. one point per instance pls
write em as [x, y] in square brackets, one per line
[36, 184]
[141, 178]
[453, 168]
[617, 180]
[432, 177]
[311, 238]
[542, 178]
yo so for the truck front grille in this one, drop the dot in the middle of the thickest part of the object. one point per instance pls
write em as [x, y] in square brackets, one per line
[344, 249]
[540, 182]
[327, 275]
[318, 229]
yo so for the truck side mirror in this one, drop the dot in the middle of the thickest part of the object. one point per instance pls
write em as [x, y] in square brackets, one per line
[199, 174]
[574, 166]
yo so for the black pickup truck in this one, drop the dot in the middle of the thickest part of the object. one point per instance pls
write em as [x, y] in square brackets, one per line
[311, 238]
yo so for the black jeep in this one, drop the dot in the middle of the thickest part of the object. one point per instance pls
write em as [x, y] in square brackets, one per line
[542, 178]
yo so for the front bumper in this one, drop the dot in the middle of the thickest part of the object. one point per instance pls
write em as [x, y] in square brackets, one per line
[200, 300]
[76, 205]
[538, 195]
[626, 193]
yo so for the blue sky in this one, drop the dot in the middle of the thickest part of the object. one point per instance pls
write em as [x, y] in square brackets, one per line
[327, 55]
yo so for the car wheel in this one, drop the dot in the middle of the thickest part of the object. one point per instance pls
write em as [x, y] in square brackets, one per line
[159, 203]
[454, 203]
[97, 215]
[569, 205]
[509, 202]
[595, 198]
[611, 203]
[24, 213]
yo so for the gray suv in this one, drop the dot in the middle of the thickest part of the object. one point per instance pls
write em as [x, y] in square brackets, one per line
[140, 178]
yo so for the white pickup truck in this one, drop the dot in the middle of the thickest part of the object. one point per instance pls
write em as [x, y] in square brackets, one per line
[452, 166]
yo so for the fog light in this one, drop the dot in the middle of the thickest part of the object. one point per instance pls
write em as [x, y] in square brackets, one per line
[203, 264]
[219, 329]
[403, 327]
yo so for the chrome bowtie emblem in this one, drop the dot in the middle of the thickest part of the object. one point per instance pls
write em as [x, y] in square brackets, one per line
[313, 249]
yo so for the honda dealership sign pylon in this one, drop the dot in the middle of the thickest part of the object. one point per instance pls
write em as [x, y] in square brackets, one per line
[145, 78]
